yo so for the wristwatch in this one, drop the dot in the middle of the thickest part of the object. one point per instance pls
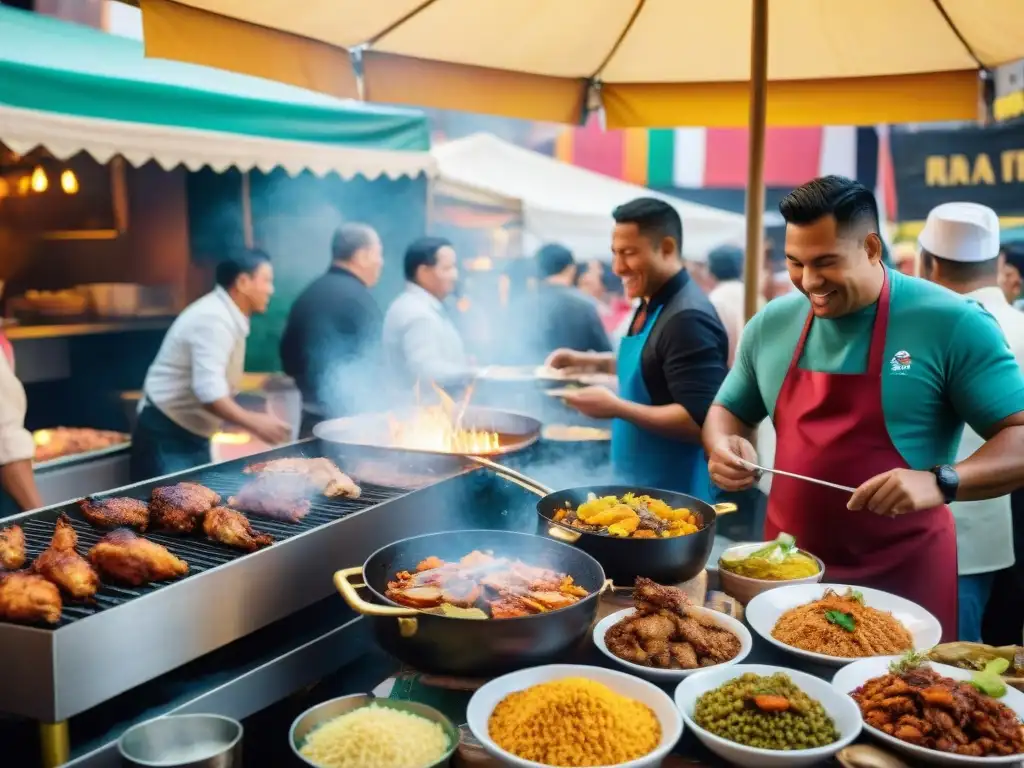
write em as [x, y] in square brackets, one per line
[948, 481]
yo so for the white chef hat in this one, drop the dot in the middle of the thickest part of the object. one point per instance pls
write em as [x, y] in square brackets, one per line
[965, 232]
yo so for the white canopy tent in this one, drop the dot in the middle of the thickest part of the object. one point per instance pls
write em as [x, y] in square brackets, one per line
[561, 202]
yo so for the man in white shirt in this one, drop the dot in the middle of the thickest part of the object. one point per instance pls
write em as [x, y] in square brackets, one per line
[421, 343]
[725, 292]
[17, 449]
[960, 250]
[189, 389]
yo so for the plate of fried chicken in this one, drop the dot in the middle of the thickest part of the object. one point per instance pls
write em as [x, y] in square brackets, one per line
[666, 637]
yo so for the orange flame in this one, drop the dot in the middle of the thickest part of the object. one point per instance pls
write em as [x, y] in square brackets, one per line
[439, 427]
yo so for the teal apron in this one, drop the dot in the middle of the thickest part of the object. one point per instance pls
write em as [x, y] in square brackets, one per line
[644, 458]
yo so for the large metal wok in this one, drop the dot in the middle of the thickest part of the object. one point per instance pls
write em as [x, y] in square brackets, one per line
[370, 433]
[670, 560]
[439, 644]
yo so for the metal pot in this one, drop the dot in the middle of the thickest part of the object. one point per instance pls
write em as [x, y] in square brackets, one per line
[329, 710]
[466, 647]
[670, 560]
[183, 741]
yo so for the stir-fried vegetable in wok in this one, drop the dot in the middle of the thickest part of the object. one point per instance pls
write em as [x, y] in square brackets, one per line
[630, 516]
[482, 586]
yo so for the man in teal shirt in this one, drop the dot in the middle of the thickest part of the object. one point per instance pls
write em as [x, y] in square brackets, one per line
[868, 377]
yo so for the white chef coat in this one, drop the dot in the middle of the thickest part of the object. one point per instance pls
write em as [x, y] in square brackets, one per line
[727, 299]
[421, 343]
[201, 360]
[16, 443]
[984, 529]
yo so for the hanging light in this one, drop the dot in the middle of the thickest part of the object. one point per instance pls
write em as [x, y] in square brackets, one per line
[69, 182]
[24, 185]
[5, 188]
[39, 180]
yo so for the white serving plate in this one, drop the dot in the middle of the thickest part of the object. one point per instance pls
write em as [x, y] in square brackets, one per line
[663, 676]
[765, 609]
[846, 718]
[483, 702]
[852, 676]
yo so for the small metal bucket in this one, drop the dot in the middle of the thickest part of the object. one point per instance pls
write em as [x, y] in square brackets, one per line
[183, 741]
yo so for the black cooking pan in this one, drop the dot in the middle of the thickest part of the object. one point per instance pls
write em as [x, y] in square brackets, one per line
[473, 647]
[664, 560]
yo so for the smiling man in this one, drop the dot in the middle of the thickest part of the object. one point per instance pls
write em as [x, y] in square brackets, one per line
[868, 377]
[669, 366]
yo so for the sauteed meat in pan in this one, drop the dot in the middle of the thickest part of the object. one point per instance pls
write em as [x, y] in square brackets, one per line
[483, 586]
[629, 516]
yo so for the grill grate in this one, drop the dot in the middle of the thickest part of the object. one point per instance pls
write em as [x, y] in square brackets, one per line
[199, 552]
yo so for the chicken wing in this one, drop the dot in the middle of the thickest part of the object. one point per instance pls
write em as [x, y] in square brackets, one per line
[125, 557]
[323, 474]
[282, 496]
[234, 529]
[180, 508]
[115, 513]
[62, 564]
[26, 597]
[12, 548]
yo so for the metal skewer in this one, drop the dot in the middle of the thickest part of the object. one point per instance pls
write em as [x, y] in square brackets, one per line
[759, 471]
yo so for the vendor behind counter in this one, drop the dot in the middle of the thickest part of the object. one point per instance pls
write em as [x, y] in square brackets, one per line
[18, 491]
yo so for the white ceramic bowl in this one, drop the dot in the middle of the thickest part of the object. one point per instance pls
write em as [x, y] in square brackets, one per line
[764, 610]
[483, 702]
[852, 676]
[846, 718]
[745, 588]
[664, 676]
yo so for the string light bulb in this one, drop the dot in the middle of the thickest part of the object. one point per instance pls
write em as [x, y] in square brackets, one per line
[69, 182]
[39, 180]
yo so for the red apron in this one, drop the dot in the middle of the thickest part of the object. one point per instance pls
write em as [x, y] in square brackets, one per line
[831, 426]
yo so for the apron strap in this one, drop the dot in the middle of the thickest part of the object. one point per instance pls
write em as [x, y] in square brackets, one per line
[877, 351]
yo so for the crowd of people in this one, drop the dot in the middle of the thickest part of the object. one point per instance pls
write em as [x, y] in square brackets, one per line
[900, 378]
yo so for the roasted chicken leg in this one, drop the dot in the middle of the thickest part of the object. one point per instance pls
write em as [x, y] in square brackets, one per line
[12, 548]
[282, 496]
[234, 529]
[26, 597]
[115, 513]
[62, 564]
[323, 474]
[179, 508]
[130, 559]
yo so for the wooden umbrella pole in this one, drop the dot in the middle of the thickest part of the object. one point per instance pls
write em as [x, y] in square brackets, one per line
[755, 172]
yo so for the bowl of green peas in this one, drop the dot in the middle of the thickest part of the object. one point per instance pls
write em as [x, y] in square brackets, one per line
[759, 716]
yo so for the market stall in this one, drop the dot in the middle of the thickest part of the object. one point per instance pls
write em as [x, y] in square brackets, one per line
[113, 168]
[559, 202]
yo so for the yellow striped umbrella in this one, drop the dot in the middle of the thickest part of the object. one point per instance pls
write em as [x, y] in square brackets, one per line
[646, 62]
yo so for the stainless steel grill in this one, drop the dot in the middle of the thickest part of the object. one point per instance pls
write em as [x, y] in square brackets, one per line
[200, 553]
[129, 636]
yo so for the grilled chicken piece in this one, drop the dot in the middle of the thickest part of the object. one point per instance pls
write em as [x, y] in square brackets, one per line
[322, 474]
[28, 598]
[62, 564]
[115, 513]
[282, 496]
[180, 508]
[130, 559]
[234, 529]
[12, 548]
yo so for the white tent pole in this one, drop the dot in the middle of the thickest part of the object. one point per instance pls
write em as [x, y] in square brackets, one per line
[755, 172]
